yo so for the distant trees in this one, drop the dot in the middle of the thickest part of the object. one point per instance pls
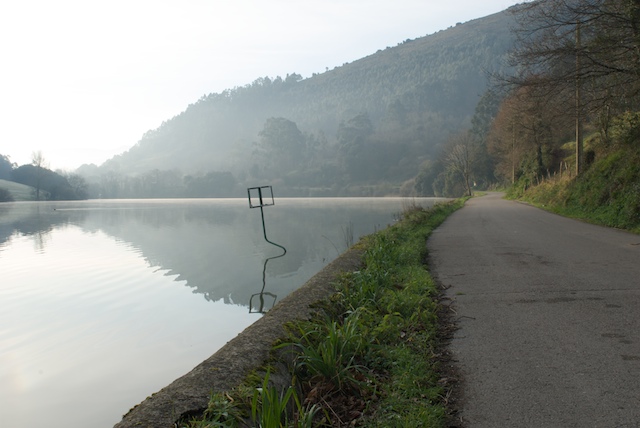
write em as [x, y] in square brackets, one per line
[79, 186]
[5, 195]
[213, 184]
[464, 160]
[481, 124]
[6, 166]
[282, 147]
[372, 122]
[505, 142]
[369, 124]
[38, 162]
[158, 184]
[163, 184]
[354, 146]
[458, 159]
[427, 178]
[49, 185]
[453, 174]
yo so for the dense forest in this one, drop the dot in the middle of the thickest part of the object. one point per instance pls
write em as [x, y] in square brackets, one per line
[364, 128]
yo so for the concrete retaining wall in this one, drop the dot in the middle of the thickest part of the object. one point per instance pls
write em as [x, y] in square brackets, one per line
[228, 367]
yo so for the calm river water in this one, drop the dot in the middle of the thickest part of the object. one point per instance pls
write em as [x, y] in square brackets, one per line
[103, 303]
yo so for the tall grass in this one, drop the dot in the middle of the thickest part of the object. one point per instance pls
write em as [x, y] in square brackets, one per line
[329, 352]
[367, 357]
[607, 193]
[348, 235]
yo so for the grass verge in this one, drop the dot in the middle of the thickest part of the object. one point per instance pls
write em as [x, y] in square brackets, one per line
[370, 355]
[607, 193]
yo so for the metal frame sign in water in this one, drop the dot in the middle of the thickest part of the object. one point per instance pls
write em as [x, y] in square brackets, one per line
[263, 195]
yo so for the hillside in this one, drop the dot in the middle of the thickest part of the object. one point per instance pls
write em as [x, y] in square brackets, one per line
[20, 192]
[608, 193]
[371, 121]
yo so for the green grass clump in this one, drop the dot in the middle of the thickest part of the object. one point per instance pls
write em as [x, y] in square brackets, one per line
[368, 357]
[389, 311]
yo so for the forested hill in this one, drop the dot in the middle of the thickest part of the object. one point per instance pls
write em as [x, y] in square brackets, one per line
[371, 121]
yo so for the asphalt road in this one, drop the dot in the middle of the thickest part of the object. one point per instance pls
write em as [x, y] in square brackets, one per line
[548, 311]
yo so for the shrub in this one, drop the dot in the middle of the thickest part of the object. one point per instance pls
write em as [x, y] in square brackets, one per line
[5, 195]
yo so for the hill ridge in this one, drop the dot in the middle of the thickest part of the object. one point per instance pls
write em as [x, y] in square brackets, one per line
[414, 95]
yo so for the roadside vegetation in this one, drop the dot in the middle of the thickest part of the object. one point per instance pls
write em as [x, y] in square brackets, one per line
[371, 355]
[607, 193]
[563, 131]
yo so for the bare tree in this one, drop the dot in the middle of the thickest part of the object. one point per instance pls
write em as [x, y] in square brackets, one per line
[458, 158]
[587, 51]
[526, 126]
[38, 161]
[506, 141]
[609, 48]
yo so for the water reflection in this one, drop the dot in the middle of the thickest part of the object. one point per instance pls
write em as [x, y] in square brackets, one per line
[114, 299]
[261, 197]
[211, 245]
[257, 302]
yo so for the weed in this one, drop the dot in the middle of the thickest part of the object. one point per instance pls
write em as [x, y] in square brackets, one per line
[368, 357]
[348, 235]
[608, 193]
[222, 411]
[329, 352]
[270, 408]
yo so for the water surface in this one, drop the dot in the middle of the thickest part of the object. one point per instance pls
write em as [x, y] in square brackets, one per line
[103, 303]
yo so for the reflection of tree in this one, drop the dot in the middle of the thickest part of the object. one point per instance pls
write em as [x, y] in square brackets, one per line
[34, 219]
[38, 161]
[40, 240]
[213, 246]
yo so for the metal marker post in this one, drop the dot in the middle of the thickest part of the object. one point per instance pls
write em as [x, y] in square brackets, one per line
[264, 201]
[263, 196]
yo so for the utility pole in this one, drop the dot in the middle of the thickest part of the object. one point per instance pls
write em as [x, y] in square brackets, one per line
[513, 152]
[579, 143]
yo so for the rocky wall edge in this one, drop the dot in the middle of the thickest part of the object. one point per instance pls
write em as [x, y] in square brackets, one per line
[248, 351]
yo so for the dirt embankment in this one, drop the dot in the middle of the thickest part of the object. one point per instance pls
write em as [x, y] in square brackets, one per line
[228, 367]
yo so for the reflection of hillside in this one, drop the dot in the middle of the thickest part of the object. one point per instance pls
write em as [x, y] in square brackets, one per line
[35, 219]
[219, 249]
[201, 244]
[216, 246]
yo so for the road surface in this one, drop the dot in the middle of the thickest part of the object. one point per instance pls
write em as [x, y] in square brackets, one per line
[548, 312]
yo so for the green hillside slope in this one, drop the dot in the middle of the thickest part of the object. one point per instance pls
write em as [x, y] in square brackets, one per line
[607, 193]
[410, 98]
[20, 192]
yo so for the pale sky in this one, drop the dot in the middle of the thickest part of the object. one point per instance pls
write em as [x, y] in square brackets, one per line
[83, 80]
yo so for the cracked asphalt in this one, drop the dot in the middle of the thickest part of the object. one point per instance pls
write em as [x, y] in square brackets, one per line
[548, 310]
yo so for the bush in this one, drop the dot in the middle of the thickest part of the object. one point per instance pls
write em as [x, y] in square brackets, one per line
[5, 195]
[608, 193]
[626, 128]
